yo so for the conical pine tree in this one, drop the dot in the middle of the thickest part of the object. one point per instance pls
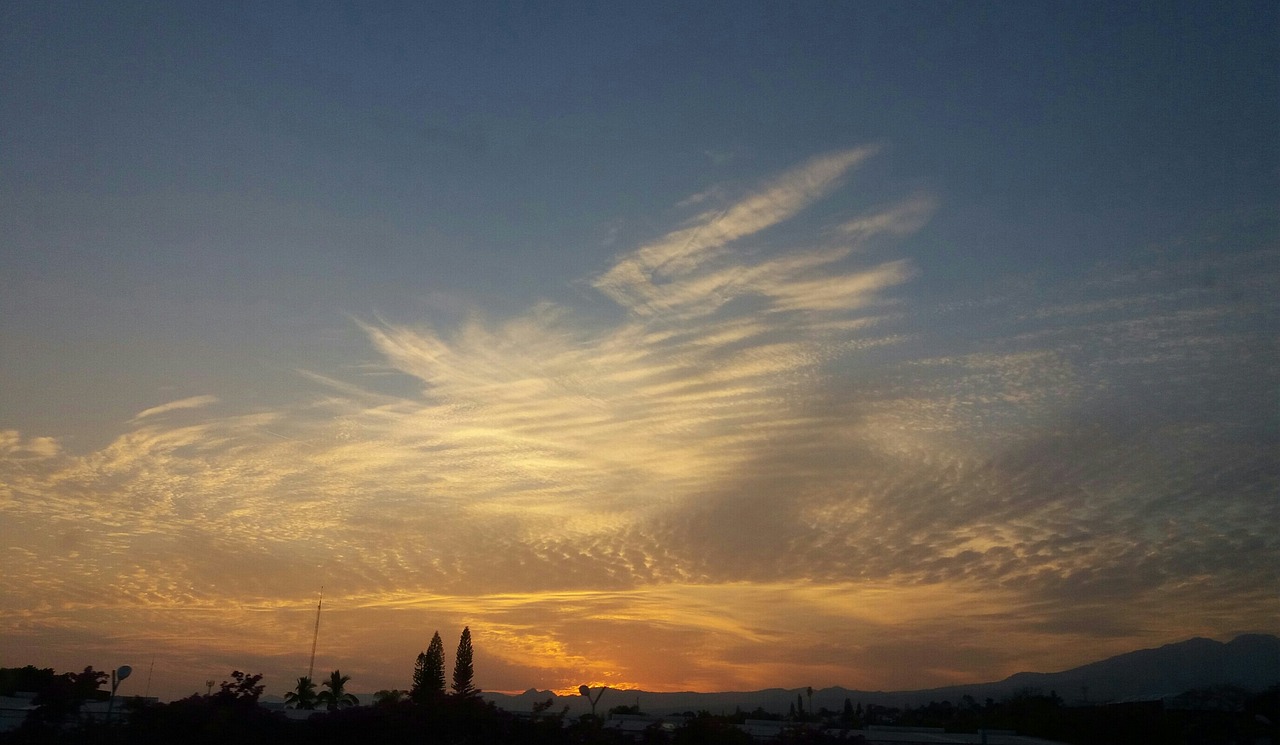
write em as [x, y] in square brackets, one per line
[435, 666]
[428, 674]
[462, 668]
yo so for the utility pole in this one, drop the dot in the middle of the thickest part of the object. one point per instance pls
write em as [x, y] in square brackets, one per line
[312, 667]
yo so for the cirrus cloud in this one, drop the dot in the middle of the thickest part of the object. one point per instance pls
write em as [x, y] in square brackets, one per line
[758, 427]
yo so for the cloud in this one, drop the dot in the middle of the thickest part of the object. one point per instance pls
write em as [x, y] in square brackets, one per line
[770, 462]
[14, 446]
[663, 276]
[194, 402]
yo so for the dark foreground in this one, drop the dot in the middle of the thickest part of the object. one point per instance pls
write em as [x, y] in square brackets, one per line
[201, 720]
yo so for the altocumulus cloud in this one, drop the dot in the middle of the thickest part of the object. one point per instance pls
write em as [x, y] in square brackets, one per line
[759, 445]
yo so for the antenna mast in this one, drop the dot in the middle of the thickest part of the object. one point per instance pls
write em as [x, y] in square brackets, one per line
[312, 667]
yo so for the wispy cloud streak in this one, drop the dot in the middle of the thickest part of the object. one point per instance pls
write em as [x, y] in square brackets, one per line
[755, 428]
[194, 402]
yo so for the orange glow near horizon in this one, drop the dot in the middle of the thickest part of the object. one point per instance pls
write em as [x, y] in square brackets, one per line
[672, 638]
[753, 457]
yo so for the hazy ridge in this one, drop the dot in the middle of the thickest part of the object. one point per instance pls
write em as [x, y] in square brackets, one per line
[1250, 661]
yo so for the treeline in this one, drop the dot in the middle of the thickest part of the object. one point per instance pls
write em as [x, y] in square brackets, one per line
[427, 687]
[424, 713]
[1224, 714]
[233, 714]
[428, 713]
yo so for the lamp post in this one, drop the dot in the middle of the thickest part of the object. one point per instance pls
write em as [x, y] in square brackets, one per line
[586, 693]
[117, 677]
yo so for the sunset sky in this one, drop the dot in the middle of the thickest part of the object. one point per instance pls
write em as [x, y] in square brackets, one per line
[680, 346]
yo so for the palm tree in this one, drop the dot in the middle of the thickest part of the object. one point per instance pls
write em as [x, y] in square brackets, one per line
[336, 696]
[303, 696]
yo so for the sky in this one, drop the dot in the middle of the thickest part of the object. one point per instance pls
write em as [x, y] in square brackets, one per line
[714, 346]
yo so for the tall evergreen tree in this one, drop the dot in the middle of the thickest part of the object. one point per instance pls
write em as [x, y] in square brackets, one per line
[418, 690]
[428, 674]
[435, 666]
[462, 668]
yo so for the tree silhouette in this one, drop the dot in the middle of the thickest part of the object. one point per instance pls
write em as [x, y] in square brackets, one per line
[303, 695]
[462, 668]
[203, 719]
[29, 678]
[428, 675]
[335, 696]
[241, 689]
[705, 729]
[418, 689]
[390, 697]
[61, 698]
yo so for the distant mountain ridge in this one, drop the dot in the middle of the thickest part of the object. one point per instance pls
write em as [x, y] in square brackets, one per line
[1250, 661]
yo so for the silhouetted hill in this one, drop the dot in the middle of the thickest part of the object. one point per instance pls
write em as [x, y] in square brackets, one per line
[1250, 661]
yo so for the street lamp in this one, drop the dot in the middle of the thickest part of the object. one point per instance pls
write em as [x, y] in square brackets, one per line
[586, 693]
[117, 677]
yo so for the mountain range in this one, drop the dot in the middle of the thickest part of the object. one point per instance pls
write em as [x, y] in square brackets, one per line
[1250, 661]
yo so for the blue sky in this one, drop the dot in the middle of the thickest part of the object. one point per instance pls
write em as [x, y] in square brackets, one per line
[949, 326]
